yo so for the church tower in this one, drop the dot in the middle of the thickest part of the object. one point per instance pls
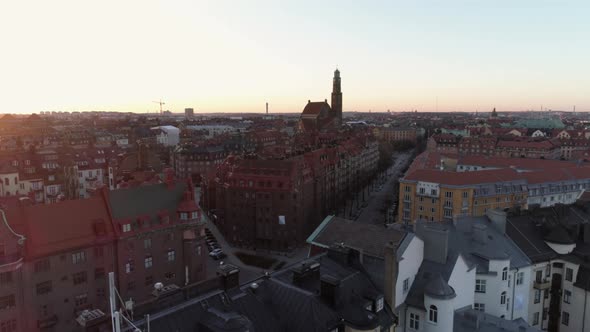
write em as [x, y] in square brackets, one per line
[337, 98]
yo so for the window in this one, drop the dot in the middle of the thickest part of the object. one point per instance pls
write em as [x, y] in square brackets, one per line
[548, 271]
[503, 298]
[537, 296]
[414, 321]
[569, 274]
[546, 294]
[131, 285]
[80, 300]
[539, 276]
[78, 257]
[171, 255]
[8, 325]
[479, 307]
[147, 243]
[406, 285]
[379, 305]
[129, 267]
[7, 302]
[535, 318]
[126, 228]
[98, 252]
[433, 314]
[41, 266]
[465, 194]
[99, 273]
[198, 250]
[44, 287]
[567, 296]
[5, 278]
[519, 278]
[183, 216]
[79, 278]
[545, 313]
[148, 262]
[505, 273]
[480, 286]
[100, 292]
[149, 280]
[565, 318]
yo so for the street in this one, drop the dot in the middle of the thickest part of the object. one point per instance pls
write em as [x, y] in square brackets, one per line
[377, 203]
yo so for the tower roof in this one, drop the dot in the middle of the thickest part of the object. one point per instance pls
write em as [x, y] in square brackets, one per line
[439, 288]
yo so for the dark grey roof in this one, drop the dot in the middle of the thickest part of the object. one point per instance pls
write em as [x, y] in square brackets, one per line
[468, 320]
[439, 288]
[428, 270]
[559, 235]
[278, 304]
[145, 200]
[369, 238]
[559, 224]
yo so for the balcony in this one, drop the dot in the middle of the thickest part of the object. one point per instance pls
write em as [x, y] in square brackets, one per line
[542, 284]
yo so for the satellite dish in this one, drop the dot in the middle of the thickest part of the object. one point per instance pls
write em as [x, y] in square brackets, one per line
[158, 286]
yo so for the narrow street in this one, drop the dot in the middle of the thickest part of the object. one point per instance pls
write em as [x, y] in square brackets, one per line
[375, 207]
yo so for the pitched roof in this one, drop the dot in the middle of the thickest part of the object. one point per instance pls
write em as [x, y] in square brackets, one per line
[66, 226]
[313, 109]
[461, 178]
[146, 200]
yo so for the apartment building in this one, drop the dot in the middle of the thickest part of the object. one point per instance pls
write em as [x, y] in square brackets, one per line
[557, 243]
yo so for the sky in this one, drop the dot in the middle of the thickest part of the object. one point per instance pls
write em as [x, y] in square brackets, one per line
[234, 56]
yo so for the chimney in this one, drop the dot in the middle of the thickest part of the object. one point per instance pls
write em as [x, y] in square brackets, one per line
[266, 108]
[229, 276]
[330, 289]
[306, 271]
[436, 241]
[498, 219]
[391, 272]
[480, 233]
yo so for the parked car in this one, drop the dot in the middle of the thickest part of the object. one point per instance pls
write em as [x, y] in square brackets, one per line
[215, 252]
[219, 255]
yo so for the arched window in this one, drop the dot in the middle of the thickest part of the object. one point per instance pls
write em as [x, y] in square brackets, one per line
[504, 273]
[433, 314]
[503, 298]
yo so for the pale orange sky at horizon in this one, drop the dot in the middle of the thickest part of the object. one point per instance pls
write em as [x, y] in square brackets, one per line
[68, 55]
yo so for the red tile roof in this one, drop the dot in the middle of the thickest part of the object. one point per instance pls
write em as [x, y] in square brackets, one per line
[315, 108]
[464, 178]
[520, 163]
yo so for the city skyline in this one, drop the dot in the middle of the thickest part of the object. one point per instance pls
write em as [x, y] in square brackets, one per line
[221, 57]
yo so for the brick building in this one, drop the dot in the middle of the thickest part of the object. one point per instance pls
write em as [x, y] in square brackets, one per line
[55, 258]
[160, 237]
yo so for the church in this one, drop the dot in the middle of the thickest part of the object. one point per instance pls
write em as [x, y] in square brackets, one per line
[319, 116]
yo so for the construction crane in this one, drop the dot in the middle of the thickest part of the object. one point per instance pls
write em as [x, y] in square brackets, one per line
[161, 103]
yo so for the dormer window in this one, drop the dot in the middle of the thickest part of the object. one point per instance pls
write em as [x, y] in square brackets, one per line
[379, 305]
[183, 216]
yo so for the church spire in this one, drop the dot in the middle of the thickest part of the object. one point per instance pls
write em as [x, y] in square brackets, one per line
[337, 97]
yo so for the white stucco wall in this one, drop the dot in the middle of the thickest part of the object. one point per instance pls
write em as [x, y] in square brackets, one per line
[408, 267]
